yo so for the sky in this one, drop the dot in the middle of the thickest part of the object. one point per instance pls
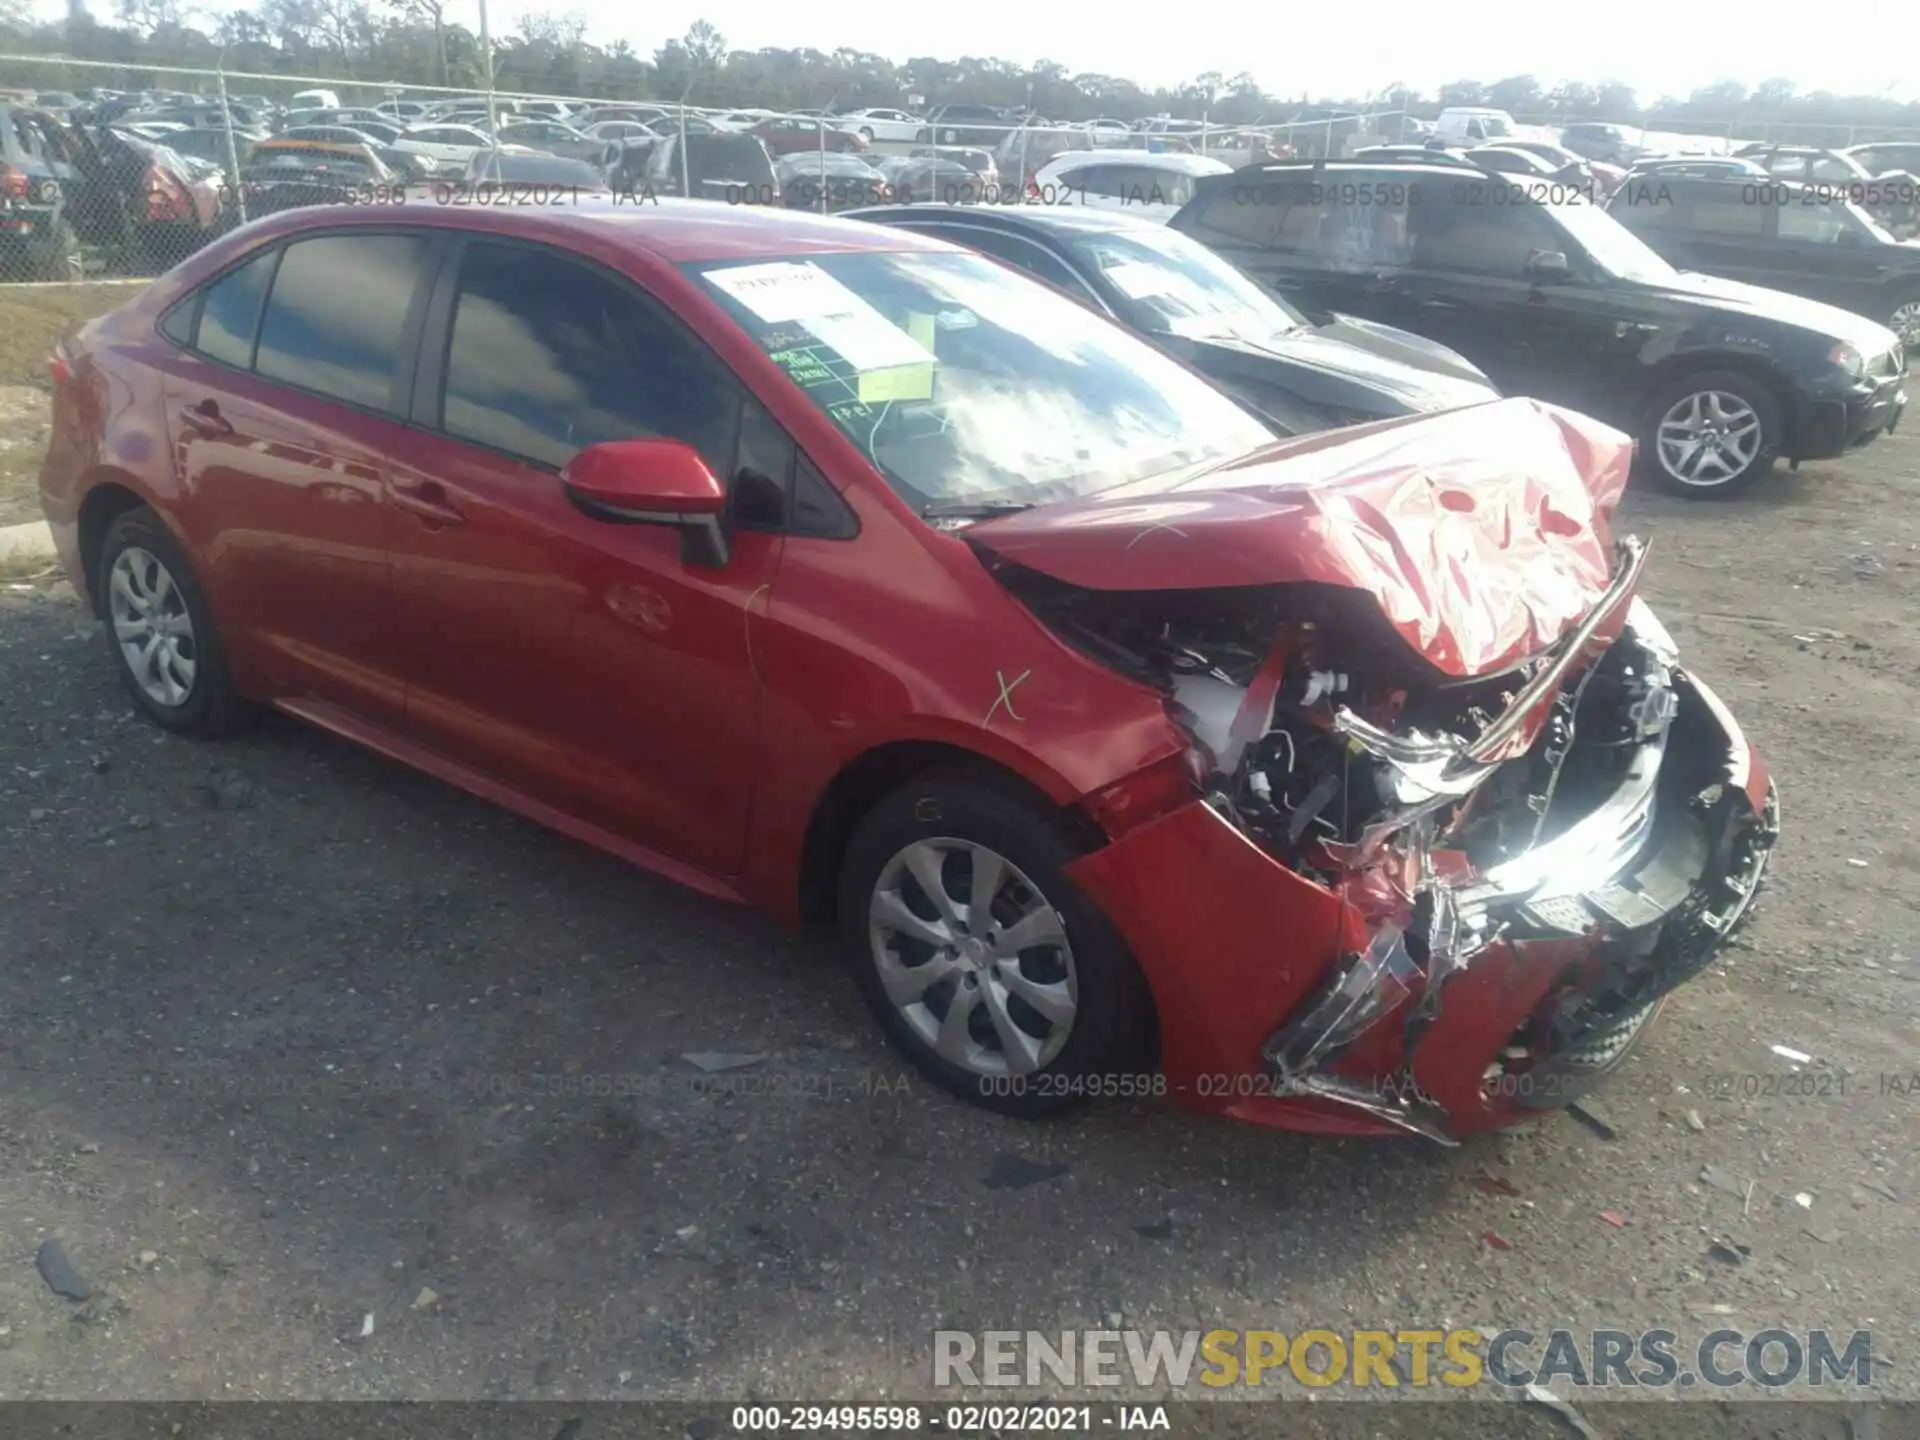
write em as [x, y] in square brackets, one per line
[1310, 50]
[1327, 50]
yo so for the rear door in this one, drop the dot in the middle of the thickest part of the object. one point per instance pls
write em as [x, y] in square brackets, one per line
[284, 412]
[583, 663]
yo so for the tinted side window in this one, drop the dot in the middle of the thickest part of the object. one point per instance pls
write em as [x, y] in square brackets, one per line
[1724, 210]
[230, 311]
[548, 356]
[1453, 233]
[1240, 212]
[337, 312]
[1814, 224]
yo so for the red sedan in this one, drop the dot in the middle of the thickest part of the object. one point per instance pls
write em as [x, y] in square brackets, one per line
[794, 134]
[1340, 783]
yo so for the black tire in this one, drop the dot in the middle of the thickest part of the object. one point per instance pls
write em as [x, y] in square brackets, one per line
[1758, 398]
[1108, 1044]
[211, 705]
[59, 257]
[866, 134]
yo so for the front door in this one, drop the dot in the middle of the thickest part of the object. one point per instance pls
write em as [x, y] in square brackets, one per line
[585, 663]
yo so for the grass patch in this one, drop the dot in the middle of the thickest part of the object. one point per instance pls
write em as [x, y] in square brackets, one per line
[33, 316]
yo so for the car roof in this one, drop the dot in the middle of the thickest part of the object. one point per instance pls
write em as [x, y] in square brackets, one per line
[1069, 220]
[671, 230]
[1152, 159]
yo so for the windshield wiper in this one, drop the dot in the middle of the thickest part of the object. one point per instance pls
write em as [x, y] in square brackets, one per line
[974, 509]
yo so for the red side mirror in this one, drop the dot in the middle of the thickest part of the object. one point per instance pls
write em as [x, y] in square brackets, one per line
[665, 479]
[652, 482]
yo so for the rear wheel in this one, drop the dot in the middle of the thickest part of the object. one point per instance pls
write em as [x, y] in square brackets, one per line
[999, 978]
[1711, 434]
[161, 631]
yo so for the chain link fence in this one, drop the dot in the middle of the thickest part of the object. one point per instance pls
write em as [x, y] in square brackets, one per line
[121, 171]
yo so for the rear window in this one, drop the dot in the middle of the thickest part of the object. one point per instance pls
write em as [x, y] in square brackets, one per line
[728, 157]
[230, 311]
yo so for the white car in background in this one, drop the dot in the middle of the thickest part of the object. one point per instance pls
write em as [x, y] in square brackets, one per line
[1148, 183]
[740, 119]
[890, 125]
[445, 147]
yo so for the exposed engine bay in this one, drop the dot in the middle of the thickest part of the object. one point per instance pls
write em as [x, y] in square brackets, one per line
[1582, 793]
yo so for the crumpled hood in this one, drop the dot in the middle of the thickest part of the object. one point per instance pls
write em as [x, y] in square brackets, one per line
[1481, 534]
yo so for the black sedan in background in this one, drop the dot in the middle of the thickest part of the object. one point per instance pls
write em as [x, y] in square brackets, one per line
[1183, 298]
[831, 181]
[1559, 301]
[1804, 239]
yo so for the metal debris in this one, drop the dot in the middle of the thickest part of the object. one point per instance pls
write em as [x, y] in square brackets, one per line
[1614, 1218]
[427, 1297]
[713, 1061]
[1694, 1122]
[57, 1270]
[1729, 1251]
[1534, 1394]
[1016, 1172]
[366, 1325]
[1495, 1184]
[1495, 1240]
[1787, 1052]
[1593, 1120]
[1725, 1180]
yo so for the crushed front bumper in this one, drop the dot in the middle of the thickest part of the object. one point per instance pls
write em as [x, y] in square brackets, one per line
[1288, 1003]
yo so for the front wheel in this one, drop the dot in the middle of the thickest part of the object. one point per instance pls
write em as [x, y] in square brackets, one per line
[1904, 320]
[1000, 979]
[1711, 434]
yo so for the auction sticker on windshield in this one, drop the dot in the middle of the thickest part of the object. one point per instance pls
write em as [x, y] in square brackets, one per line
[796, 291]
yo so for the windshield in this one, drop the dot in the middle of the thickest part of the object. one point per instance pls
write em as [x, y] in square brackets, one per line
[968, 385]
[1616, 249]
[1170, 285]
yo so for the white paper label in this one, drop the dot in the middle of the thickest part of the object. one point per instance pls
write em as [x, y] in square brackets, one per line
[784, 291]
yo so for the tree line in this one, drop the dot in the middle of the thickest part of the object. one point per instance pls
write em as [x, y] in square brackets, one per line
[414, 42]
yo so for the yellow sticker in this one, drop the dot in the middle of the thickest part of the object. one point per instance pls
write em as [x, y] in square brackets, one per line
[920, 327]
[900, 382]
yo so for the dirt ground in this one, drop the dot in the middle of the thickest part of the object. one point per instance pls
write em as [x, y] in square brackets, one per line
[291, 1037]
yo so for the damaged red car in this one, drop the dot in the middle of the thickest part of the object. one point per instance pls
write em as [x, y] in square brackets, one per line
[1341, 783]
